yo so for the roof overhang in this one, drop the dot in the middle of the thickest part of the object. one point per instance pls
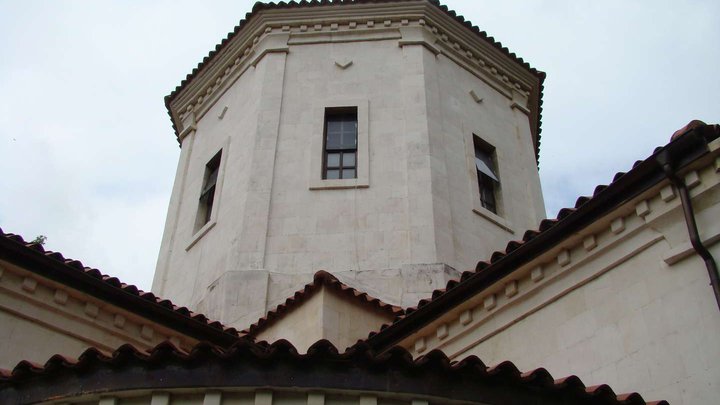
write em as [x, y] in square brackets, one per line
[277, 372]
[52, 266]
[270, 28]
[687, 149]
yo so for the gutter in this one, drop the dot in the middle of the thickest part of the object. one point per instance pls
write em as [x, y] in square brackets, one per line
[648, 173]
[670, 172]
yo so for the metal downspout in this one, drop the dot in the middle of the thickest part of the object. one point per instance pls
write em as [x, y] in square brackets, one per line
[695, 240]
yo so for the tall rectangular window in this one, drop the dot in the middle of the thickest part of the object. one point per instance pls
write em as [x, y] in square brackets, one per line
[207, 194]
[340, 148]
[488, 180]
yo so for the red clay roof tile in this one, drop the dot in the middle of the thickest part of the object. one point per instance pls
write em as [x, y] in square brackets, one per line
[470, 373]
[321, 278]
[11, 244]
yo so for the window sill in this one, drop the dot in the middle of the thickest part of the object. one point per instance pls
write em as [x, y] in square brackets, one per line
[494, 218]
[336, 184]
[200, 233]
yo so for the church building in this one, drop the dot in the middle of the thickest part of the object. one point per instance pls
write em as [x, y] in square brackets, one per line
[357, 218]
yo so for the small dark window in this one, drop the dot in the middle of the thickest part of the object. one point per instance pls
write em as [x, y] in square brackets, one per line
[207, 194]
[340, 147]
[488, 180]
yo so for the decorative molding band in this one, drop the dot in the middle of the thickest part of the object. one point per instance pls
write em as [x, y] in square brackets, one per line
[378, 34]
[631, 228]
[710, 237]
[521, 108]
[187, 131]
[645, 244]
[262, 54]
[440, 35]
[53, 305]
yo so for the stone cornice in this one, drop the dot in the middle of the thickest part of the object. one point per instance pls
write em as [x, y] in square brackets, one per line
[274, 30]
[71, 313]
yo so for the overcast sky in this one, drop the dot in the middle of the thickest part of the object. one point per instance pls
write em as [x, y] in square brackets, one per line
[88, 156]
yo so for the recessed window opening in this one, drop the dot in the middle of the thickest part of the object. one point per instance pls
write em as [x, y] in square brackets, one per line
[207, 194]
[488, 180]
[340, 144]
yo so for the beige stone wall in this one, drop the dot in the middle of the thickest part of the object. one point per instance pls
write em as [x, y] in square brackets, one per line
[40, 318]
[325, 315]
[626, 302]
[465, 232]
[415, 204]
[302, 326]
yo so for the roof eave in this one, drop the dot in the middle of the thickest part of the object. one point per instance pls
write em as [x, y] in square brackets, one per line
[258, 8]
[74, 277]
[682, 151]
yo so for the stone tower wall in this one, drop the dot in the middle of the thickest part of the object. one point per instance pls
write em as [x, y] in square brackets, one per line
[410, 220]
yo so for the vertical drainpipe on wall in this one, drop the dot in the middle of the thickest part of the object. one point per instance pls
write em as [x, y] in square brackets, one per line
[665, 162]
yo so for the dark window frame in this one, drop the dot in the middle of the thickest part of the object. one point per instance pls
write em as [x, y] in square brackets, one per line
[344, 115]
[487, 174]
[206, 201]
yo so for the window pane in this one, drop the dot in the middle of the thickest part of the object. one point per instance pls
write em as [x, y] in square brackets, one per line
[484, 162]
[487, 192]
[212, 178]
[333, 160]
[333, 174]
[483, 168]
[349, 174]
[334, 140]
[334, 125]
[349, 135]
[349, 159]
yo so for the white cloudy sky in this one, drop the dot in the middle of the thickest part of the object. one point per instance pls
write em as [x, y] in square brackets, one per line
[87, 152]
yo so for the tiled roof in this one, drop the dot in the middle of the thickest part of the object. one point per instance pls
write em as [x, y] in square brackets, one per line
[259, 6]
[321, 278]
[53, 265]
[279, 365]
[686, 146]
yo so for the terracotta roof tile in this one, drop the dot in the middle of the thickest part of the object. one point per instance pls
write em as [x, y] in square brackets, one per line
[571, 219]
[321, 278]
[504, 377]
[15, 244]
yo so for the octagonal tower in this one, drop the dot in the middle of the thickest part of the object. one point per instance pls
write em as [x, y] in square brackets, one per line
[387, 142]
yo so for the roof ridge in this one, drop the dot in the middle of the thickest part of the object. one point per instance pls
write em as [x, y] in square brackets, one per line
[320, 278]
